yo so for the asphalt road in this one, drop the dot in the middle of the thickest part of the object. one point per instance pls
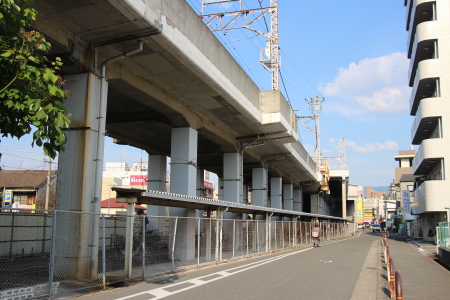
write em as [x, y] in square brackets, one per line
[331, 271]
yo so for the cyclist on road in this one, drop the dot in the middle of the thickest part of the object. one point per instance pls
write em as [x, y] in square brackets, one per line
[315, 234]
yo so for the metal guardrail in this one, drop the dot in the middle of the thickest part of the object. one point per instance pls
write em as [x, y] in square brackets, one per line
[394, 277]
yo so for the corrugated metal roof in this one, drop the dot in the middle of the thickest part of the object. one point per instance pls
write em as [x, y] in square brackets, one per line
[23, 178]
[111, 202]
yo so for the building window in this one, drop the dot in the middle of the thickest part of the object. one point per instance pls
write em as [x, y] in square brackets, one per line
[25, 198]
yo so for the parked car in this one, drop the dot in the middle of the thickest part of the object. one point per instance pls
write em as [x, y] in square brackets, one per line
[360, 226]
[376, 227]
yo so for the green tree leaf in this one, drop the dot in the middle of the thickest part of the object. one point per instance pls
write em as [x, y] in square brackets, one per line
[31, 92]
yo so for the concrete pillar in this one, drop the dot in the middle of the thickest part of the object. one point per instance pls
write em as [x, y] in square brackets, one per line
[288, 196]
[245, 199]
[200, 183]
[183, 167]
[220, 189]
[259, 187]
[242, 189]
[183, 180]
[76, 176]
[200, 188]
[157, 179]
[276, 190]
[157, 173]
[232, 177]
[344, 197]
[314, 203]
[232, 182]
[244, 194]
[297, 200]
[323, 205]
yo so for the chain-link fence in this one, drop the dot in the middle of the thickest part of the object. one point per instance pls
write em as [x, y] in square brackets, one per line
[44, 253]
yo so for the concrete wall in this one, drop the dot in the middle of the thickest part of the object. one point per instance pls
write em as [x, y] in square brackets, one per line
[187, 34]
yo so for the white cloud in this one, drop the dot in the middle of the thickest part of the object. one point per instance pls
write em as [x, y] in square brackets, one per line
[371, 85]
[374, 147]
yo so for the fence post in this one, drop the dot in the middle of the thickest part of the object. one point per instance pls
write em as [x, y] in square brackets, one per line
[173, 244]
[248, 224]
[12, 234]
[221, 236]
[129, 240]
[144, 217]
[398, 286]
[234, 235]
[44, 215]
[198, 243]
[294, 231]
[51, 264]
[289, 234]
[209, 239]
[103, 251]
[257, 236]
[301, 234]
[216, 251]
[268, 232]
[276, 236]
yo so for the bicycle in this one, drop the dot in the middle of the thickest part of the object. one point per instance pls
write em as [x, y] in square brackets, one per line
[118, 245]
[156, 246]
[315, 236]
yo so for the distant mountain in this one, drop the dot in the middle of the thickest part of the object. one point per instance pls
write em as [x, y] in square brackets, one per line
[381, 189]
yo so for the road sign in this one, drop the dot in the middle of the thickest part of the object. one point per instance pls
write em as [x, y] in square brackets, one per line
[8, 197]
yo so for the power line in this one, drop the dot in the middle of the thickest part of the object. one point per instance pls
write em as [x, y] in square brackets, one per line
[295, 67]
[282, 80]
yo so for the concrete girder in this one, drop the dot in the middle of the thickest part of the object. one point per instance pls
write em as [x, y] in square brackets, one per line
[182, 77]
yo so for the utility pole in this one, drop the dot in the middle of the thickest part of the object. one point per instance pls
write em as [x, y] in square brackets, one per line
[47, 191]
[343, 155]
[341, 159]
[245, 19]
[315, 106]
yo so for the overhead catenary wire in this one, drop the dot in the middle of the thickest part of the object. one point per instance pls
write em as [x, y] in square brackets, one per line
[291, 84]
[282, 80]
[285, 56]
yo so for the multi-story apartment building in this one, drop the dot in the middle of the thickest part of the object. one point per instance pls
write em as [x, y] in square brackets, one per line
[428, 47]
[370, 193]
[405, 160]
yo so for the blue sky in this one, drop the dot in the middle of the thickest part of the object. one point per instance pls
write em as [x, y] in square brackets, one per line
[350, 52]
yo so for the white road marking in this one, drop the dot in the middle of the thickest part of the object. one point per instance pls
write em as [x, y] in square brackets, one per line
[161, 292]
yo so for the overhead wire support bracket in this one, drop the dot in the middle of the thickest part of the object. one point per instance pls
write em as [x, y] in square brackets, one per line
[270, 59]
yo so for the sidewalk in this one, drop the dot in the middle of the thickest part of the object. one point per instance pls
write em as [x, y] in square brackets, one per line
[422, 276]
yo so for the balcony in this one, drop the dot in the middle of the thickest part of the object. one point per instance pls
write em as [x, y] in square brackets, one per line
[424, 49]
[422, 13]
[429, 196]
[428, 155]
[426, 82]
[427, 119]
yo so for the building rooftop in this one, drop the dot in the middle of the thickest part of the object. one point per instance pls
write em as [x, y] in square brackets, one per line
[405, 154]
[23, 178]
[408, 178]
[112, 203]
